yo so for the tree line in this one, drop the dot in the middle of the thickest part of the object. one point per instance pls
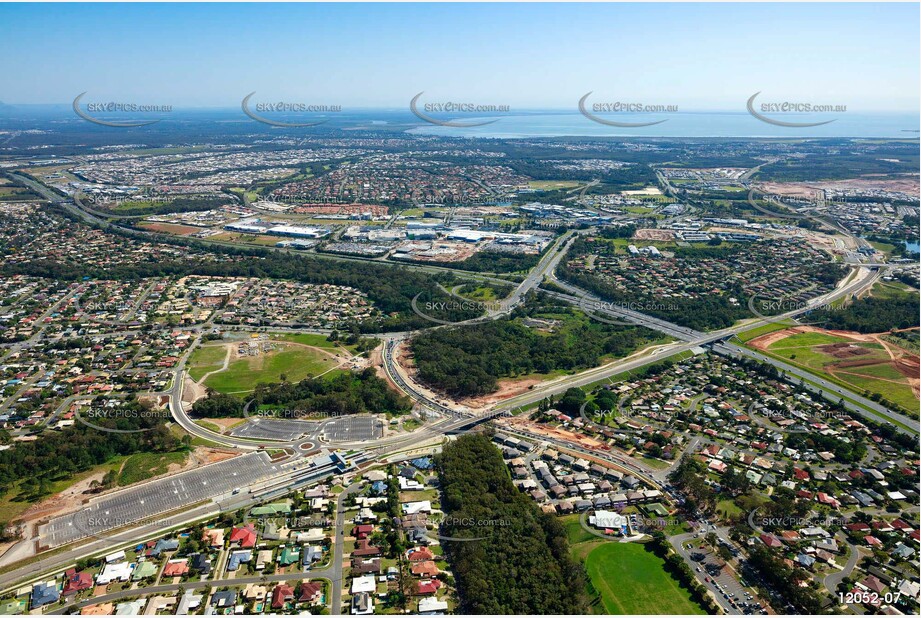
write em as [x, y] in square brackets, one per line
[347, 393]
[61, 453]
[469, 360]
[871, 314]
[515, 559]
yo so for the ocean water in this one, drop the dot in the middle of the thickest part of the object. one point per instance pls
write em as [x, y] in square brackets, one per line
[682, 124]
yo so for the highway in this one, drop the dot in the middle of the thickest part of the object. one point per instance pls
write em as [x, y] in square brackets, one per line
[457, 421]
[830, 390]
[546, 268]
[720, 342]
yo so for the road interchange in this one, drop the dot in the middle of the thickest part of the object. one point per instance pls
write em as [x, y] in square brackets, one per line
[451, 420]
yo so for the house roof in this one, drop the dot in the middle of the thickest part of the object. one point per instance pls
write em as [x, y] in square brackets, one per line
[428, 587]
[174, 568]
[75, 582]
[144, 570]
[224, 598]
[426, 568]
[245, 536]
[420, 554]
[873, 583]
[280, 594]
[310, 591]
[44, 593]
[770, 540]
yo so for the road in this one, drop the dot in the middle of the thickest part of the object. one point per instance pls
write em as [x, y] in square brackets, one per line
[336, 570]
[731, 584]
[688, 339]
[193, 585]
[832, 580]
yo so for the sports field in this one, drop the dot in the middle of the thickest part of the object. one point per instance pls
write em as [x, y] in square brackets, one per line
[627, 578]
[632, 580]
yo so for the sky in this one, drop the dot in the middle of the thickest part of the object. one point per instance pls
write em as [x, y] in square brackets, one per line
[537, 56]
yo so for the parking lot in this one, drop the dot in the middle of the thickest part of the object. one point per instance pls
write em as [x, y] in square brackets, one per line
[353, 428]
[273, 429]
[144, 504]
[721, 580]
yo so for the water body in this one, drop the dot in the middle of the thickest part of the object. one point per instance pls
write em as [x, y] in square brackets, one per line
[681, 124]
[912, 247]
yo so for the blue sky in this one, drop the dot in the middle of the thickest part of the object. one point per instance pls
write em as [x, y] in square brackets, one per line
[697, 56]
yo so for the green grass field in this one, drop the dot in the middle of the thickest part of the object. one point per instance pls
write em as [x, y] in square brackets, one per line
[629, 579]
[206, 358]
[244, 374]
[886, 372]
[317, 341]
[146, 465]
[802, 349]
[892, 289]
[802, 340]
[762, 330]
[632, 580]
[552, 185]
[897, 393]
[728, 508]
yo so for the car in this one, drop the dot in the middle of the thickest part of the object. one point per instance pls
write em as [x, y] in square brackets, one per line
[698, 569]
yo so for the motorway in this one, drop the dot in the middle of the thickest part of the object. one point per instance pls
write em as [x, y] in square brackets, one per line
[454, 421]
[546, 268]
[720, 340]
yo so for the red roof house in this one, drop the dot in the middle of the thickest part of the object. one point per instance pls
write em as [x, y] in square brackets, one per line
[245, 536]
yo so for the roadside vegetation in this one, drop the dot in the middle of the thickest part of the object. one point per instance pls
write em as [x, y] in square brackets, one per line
[539, 338]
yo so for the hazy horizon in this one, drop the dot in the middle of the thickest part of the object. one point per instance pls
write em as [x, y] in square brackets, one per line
[541, 57]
